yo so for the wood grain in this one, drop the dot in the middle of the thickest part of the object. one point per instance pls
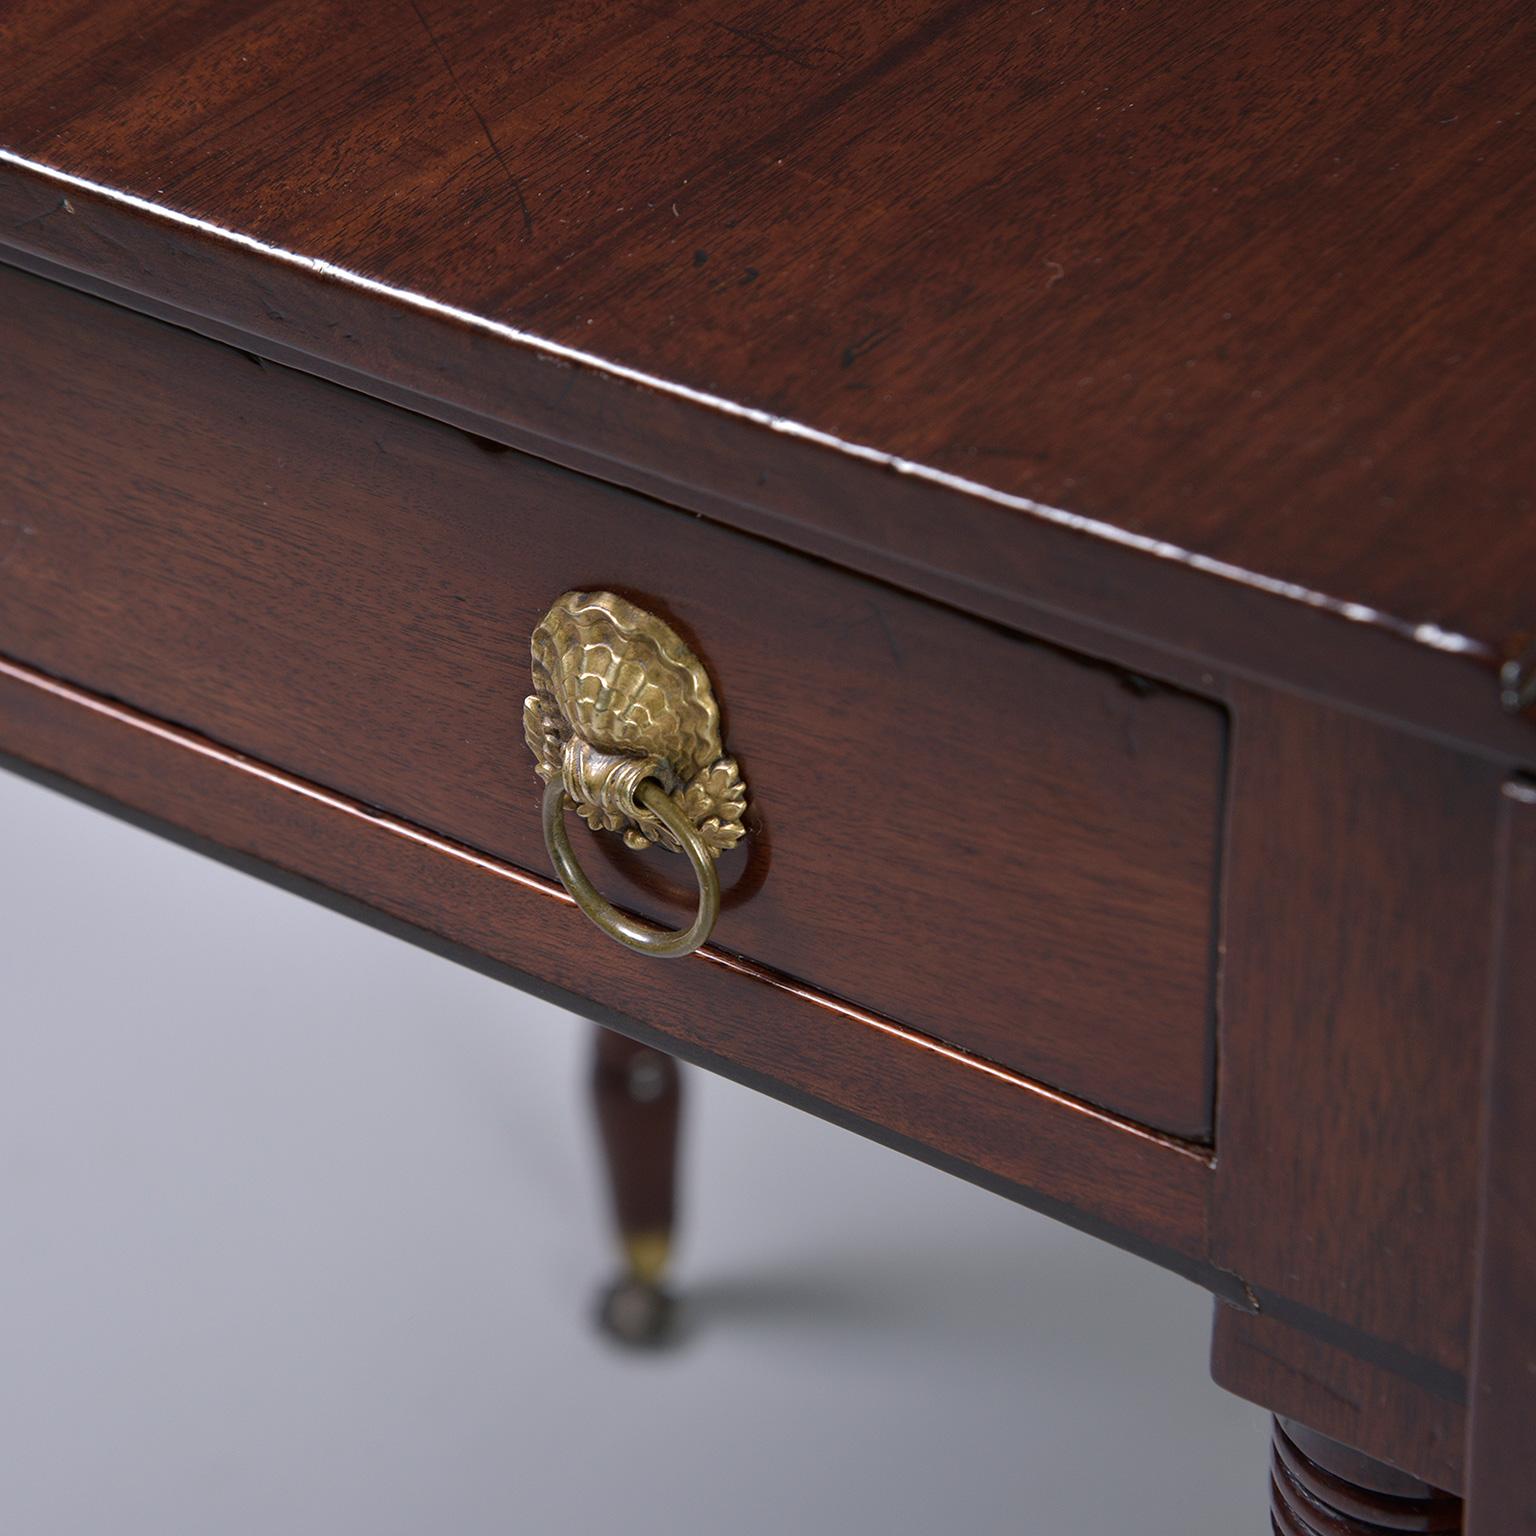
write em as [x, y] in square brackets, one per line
[637, 1101]
[1066, 1158]
[1501, 1474]
[1320, 1488]
[1178, 274]
[1357, 1402]
[940, 811]
[1190, 339]
[1358, 922]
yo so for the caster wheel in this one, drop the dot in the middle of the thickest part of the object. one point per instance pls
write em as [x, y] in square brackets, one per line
[637, 1314]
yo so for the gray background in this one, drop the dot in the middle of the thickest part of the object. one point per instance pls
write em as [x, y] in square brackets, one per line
[299, 1229]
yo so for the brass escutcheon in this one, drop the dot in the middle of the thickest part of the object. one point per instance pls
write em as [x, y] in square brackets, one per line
[624, 728]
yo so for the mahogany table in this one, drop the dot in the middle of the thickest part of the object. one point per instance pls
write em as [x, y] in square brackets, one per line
[1034, 502]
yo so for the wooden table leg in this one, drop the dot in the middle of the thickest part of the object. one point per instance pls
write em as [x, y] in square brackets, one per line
[637, 1094]
[1321, 1488]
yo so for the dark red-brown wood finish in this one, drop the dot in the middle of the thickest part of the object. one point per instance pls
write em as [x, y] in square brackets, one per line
[637, 1094]
[1502, 1474]
[1147, 389]
[1159, 320]
[189, 530]
[1321, 1488]
[1359, 938]
[1144, 1191]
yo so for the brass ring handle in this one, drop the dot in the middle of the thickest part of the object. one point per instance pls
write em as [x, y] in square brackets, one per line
[625, 731]
[665, 943]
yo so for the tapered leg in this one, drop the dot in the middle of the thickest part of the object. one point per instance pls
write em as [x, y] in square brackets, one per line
[1321, 1488]
[638, 1095]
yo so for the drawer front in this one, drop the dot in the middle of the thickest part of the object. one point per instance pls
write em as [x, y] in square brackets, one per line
[1006, 847]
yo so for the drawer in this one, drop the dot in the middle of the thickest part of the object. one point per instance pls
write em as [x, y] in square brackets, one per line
[1007, 847]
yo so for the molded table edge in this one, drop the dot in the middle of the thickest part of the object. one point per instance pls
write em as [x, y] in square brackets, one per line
[1080, 584]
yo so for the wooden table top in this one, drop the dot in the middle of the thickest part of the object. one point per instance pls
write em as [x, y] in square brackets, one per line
[1231, 283]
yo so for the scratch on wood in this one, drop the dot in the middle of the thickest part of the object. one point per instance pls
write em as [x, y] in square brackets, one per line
[867, 343]
[765, 45]
[62, 206]
[1293, 1370]
[485, 127]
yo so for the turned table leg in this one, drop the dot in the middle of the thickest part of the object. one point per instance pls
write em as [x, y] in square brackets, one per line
[1321, 1488]
[637, 1095]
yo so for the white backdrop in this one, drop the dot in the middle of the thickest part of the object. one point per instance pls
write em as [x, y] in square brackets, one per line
[299, 1231]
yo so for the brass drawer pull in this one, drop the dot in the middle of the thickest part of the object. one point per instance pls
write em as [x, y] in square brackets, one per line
[624, 727]
[646, 937]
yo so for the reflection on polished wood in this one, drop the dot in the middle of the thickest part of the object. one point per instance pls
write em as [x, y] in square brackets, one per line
[1088, 447]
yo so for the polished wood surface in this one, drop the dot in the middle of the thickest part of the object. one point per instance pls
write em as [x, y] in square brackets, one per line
[1350, 1073]
[800, 273]
[347, 592]
[1139, 398]
[1181, 272]
[1344, 1014]
[1389, 1416]
[637, 1097]
[1321, 1488]
[637, 1094]
[1009, 1133]
[1502, 1474]
[1380, 1330]
[1359, 940]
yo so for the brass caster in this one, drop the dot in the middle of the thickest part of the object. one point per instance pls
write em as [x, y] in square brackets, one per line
[638, 1314]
